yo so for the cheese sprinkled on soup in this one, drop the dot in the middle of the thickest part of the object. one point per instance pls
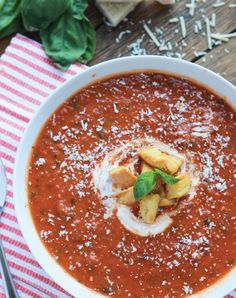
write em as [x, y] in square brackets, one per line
[115, 248]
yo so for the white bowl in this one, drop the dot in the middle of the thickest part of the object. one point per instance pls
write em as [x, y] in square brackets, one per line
[121, 65]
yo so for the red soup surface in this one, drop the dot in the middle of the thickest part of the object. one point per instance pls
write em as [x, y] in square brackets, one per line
[198, 248]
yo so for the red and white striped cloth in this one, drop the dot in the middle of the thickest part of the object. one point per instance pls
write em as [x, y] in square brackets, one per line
[27, 78]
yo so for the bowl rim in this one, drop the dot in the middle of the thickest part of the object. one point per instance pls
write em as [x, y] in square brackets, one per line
[186, 69]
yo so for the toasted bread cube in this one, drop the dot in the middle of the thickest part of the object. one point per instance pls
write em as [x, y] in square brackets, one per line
[148, 208]
[179, 189]
[145, 167]
[158, 159]
[121, 177]
[166, 203]
[126, 197]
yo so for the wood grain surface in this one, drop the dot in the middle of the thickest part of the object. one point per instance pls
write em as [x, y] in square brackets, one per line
[120, 41]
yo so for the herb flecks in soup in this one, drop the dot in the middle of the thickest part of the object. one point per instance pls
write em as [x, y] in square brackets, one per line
[107, 246]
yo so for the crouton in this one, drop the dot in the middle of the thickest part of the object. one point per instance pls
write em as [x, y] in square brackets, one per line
[166, 203]
[158, 159]
[125, 197]
[121, 177]
[149, 207]
[179, 189]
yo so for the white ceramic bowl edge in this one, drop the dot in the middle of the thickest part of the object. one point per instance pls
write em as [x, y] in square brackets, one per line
[121, 65]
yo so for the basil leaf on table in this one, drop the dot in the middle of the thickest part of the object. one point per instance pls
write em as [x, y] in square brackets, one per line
[64, 40]
[91, 41]
[78, 8]
[1, 4]
[168, 179]
[39, 14]
[9, 11]
[144, 184]
[67, 35]
[15, 26]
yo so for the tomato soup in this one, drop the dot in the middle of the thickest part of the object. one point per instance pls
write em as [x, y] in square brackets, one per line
[122, 113]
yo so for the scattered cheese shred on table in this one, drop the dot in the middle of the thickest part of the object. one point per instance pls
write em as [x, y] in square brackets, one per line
[213, 20]
[208, 32]
[151, 35]
[173, 20]
[223, 37]
[183, 26]
[192, 8]
[171, 38]
[218, 4]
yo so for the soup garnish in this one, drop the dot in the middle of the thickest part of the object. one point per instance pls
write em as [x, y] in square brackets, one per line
[162, 185]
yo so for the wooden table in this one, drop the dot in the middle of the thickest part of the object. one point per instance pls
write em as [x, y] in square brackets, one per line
[116, 42]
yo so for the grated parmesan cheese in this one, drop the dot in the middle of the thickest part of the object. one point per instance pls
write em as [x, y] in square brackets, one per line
[223, 37]
[122, 34]
[135, 47]
[199, 53]
[183, 26]
[115, 108]
[174, 20]
[208, 32]
[84, 124]
[41, 161]
[229, 35]
[151, 35]
[219, 37]
[213, 20]
[218, 4]
[192, 8]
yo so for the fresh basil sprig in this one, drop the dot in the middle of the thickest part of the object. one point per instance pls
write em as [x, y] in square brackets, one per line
[15, 26]
[90, 38]
[146, 182]
[39, 14]
[67, 35]
[64, 40]
[9, 11]
[78, 8]
[168, 179]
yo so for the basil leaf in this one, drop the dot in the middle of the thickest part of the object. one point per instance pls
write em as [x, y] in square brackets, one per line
[15, 26]
[38, 14]
[78, 8]
[91, 41]
[9, 11]
[147, 181]
[166, 177]
[1, 4]
[64, 40]
[144, 184]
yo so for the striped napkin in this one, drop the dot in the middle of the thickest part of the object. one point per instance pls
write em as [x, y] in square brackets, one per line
[27, 78]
